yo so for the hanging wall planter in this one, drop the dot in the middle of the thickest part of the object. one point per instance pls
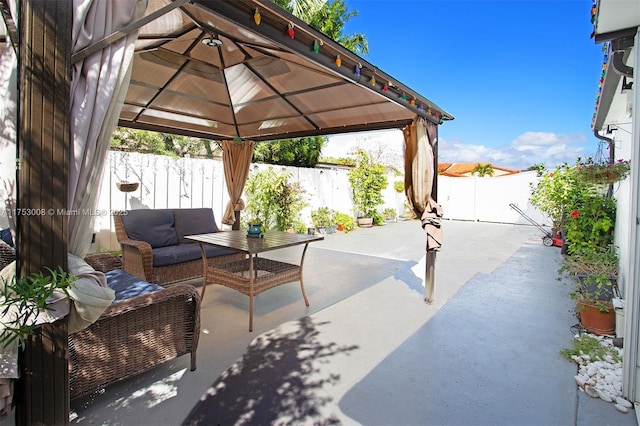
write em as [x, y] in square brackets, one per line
[127, 186]
[603, 173]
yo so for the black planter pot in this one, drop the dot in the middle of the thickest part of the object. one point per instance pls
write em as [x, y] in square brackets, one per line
[606, 293]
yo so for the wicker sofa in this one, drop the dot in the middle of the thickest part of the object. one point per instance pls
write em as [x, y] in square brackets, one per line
[154, 247]
[135, 334]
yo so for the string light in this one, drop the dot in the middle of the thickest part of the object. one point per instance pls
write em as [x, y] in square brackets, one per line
[385, 87]
[256, 17]
[373, 81]
[316, 46]
[357, 69]
[290, 31]
[338, 61]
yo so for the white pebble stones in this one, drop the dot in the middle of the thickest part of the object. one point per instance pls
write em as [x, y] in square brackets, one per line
[602, 378]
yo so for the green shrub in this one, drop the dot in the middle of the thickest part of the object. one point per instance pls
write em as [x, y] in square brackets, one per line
[273, 200]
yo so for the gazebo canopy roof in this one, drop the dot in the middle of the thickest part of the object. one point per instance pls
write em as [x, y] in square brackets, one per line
[275, 79]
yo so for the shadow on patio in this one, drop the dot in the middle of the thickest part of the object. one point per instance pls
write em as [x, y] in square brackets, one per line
[274, 380]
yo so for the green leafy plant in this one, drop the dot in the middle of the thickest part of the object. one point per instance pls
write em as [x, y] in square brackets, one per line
[398, 186]
[390, 213]
[345, 221]
[589, 224]
[367, 181]
[596, 273]
[555, 191]
[25, 298]
[591, 347]
[273, 200]
[322, 218]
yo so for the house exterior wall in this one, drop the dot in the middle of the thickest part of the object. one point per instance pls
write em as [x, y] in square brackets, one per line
[623, 115]
[631, 266]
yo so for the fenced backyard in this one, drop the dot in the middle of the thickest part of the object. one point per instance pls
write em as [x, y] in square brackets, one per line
[165, 182]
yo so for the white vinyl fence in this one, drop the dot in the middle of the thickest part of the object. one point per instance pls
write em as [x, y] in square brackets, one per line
[183, 183]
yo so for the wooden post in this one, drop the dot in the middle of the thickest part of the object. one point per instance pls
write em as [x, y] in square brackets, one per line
[44, 58]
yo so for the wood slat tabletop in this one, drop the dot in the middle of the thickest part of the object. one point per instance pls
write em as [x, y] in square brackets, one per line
[238, 240]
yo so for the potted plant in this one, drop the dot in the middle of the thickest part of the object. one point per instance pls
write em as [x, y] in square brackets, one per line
[344, 221]
[254, 227]
[595, 271]
[25, 298]
[367, 181]
[390, 215]
[323, 220]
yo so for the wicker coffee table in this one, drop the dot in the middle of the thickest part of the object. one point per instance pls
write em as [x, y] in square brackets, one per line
[253, 275]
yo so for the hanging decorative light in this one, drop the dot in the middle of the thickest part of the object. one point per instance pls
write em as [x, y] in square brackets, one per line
[316, 46]
[372, 81]
[338, 61]
[357, 69]
[257, 18]
[290, 31]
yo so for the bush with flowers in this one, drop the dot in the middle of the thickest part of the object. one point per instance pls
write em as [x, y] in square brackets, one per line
[589, 223]
[587, 218]
[555, 191]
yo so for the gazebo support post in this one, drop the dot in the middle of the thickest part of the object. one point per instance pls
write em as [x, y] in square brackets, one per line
[429, 277]
[430, 261]
[42, 392]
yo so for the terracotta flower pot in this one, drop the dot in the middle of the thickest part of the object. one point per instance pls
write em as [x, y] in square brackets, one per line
[595, 321]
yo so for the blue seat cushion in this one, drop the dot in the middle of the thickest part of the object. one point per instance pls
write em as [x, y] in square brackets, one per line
[6, 236]
[194, 221]
[171, 255]
[154, 226]
[127, 286]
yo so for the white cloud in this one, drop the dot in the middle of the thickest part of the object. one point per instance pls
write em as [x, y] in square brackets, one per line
[526, 150]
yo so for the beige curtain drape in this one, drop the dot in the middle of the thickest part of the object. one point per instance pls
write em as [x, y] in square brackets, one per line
[236, 158]
[98, 86]
[8, 132]
[420, 139]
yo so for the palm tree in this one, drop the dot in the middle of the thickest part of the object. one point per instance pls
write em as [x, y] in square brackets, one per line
[303, 9]
[485, 169]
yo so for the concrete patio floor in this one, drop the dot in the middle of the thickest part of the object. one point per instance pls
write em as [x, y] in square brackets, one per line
[369, 350]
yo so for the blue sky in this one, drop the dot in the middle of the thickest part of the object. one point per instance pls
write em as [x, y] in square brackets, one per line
[520, 77]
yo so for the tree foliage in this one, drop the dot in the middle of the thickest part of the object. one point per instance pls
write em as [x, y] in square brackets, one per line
[148, 142]
[328, 17]
[298, 152]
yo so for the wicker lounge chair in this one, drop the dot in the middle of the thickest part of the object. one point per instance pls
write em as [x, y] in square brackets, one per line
[133, 335]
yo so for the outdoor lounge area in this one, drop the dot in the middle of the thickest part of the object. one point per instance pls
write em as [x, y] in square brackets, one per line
[368, 350]
[363, 347]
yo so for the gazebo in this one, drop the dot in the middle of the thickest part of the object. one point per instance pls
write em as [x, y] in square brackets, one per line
[238, 71]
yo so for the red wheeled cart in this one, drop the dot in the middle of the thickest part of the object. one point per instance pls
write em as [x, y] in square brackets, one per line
[549, 239]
